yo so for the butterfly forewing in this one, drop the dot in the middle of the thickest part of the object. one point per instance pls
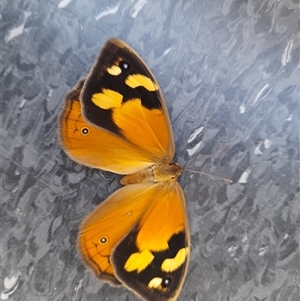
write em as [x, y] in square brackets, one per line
[153, 257]
[122, 96]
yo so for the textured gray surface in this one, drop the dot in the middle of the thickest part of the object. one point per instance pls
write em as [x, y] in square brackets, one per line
[230, 67]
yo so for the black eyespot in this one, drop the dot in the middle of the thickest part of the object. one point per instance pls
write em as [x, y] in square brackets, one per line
[166, 282]
[85, 131]
[124, 65]
[103, 240]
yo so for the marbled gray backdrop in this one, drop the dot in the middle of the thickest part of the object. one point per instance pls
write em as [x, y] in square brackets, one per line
[229, 72]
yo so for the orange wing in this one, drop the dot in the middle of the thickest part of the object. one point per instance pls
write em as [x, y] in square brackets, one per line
[122, 124]
[95, 147]
[122, 96]
[118, 239]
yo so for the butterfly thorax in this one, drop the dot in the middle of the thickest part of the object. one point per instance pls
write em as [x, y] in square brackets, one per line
[159, 172]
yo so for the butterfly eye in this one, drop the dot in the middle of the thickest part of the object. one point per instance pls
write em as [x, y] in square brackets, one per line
[103, 240]
[85, 131]
[124, 65]
[166, 282]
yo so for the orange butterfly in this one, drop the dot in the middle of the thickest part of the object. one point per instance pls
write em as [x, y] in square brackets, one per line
[116, 119]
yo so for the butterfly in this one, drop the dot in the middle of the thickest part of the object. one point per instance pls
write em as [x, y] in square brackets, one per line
[116, 120]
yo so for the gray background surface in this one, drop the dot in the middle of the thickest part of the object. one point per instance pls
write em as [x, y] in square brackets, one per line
[229, 73]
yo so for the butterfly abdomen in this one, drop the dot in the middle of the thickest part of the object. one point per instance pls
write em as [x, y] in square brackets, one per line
[159, 172]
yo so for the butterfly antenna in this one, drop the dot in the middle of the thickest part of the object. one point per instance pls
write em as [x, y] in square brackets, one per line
[206, 174]
[209, 175]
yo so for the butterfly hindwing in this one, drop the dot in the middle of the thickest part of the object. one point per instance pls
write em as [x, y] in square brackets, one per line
[108, 224]
[94, 146]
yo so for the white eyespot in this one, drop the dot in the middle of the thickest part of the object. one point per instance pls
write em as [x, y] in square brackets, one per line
[166, 282]
[103, 240]
[124, 65]
[85, 131]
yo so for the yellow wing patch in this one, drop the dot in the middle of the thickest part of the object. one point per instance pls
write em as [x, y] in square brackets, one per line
[139, 261]
[155, 282]
[172, 264]
[114, 70]
[139, 80]
[108, 99]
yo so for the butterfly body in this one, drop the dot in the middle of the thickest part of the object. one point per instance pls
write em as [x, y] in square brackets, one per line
[116, 120]
[163, 172]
